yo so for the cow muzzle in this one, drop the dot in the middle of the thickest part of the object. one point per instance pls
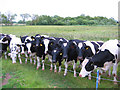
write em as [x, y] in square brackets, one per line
[54, 61]
[80, 58]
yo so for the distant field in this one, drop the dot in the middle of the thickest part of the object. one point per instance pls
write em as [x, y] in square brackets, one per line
[69, 32]
[26, 75]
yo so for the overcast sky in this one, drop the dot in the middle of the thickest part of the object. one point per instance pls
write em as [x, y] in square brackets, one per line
[64, 8]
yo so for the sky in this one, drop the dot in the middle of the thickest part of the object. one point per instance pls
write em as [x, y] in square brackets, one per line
[63, 8]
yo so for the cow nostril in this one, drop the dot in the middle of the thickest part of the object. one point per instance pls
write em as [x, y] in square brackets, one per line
[80, 58]
[53, 61]
[22, 53]
[29, 52]
[64, 57]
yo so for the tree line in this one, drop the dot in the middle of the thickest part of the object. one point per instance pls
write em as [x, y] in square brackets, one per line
[7, 19]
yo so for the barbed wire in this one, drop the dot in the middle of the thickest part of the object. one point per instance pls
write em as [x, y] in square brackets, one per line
[91, 76]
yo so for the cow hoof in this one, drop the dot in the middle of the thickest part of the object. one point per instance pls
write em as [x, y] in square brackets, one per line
[89, 78]
[80, 75]
[115, 82]
[37, 68]
[108, 75]
[75, 75]
[21, 63]
[65, 75]
[34, 64]
[50, 69]
[43, 69]
[98, 81]
[55, 70]
[25, 62]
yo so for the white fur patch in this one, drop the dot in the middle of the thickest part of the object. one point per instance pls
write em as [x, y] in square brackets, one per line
[64, 44]
[83, 71]
[55, 51]
[80, 45]
[46, 42]
[88, 43]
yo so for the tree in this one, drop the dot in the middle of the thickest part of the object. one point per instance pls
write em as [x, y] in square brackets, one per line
[25, 16]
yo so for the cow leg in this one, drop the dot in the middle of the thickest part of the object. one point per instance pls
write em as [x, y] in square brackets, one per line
[66, 66]
[31, 58]
[43, 66]
[26, 56]
[50, 59]
[51, 66]
[43, 63]
[89, 76]
[55, 69]
[115, 72]
[34, 60]
[74, 68]
[19, 58]
[109, 72]
[5, 53]
[59, 66]
[38, 63]
[100, 73]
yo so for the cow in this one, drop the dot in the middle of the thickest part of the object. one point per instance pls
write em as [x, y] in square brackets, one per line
[53, 48]
[107, 56]
[4, 43]
[26, 48]
[88, 49]
[41, 48]
[70, 53]
[14, 47]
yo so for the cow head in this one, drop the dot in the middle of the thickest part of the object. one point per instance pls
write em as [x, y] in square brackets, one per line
[6, 39]
[56, 54]
[84, 51]
[64, 47]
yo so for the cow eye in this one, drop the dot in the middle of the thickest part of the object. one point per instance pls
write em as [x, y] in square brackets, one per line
[87, 48]
[60, 53]
[41, 45]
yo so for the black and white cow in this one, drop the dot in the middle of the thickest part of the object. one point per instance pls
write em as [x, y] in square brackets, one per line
[88, 49]
[70, 53]
[27, 47]
[15, 47]
[4, 43]
[53, 50]
[109, 55]
[41, 46]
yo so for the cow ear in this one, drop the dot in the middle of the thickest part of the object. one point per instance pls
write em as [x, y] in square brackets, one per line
[42, 37]
[32, 37]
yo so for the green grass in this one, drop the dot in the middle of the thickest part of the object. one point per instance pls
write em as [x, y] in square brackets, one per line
[26, 75]
[69, 32]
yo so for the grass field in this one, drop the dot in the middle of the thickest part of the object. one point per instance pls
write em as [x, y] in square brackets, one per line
[26, 75]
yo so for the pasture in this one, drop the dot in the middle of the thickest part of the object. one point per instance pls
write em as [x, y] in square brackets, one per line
[26, 75]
